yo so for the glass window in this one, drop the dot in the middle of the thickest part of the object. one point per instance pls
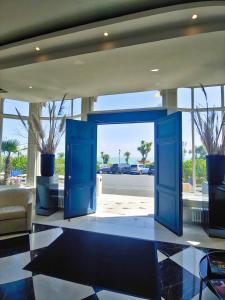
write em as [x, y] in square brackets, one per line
[184, 98]
[67, 108]
[11, 105]
[213, 96]
[77, 106]
[223, 97]
[129, 101]
[187, 147]
[200, 163]
[17, 169]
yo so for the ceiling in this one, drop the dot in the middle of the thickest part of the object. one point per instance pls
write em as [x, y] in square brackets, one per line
[79, 60]
[32, 18]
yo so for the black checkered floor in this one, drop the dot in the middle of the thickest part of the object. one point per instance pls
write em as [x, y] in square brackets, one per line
[178, 264]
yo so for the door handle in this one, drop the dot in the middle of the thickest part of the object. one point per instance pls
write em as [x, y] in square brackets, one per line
[69, 177]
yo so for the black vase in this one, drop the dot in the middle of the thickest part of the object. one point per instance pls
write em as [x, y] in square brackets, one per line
[47, 164]
[215, 164]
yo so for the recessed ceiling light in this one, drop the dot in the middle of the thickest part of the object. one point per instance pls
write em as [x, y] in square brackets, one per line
[154, 70]
[194, 17]
[30, 87]
[106, 34]
[37, 49]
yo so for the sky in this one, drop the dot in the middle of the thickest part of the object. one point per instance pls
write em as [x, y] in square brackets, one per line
[125, 137]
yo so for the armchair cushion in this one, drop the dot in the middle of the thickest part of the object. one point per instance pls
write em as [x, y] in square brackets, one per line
[12, 212]
[15, 210]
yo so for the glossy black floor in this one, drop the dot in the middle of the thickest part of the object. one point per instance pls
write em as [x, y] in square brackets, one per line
[101, 260]
[173, 266]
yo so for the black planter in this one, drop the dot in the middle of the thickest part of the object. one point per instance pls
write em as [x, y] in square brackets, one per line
[215, 164]
[47, 164]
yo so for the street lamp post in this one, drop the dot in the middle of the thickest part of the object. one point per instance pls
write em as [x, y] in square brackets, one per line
[119, 155]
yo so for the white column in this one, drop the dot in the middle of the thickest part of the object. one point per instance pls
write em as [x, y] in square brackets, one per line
[33, 165]
[1, 121]
[87, 105]
[169, 98]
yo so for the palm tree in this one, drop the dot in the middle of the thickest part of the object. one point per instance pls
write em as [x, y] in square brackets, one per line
[127, 156]
[144, 149]
[9, 147]
[105, 158]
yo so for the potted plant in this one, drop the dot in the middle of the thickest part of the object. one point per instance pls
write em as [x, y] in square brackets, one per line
[211, 132]
[48, 140]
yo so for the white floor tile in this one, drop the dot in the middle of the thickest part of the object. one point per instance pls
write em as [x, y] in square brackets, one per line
[44, 238]
[161, 256]
[189, 259]
[49, 288]
[11, 267]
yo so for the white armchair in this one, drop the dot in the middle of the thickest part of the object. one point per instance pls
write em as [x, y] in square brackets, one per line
[15, 210]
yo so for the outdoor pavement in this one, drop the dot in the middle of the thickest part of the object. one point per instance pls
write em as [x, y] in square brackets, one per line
[124, 184]
[125, 205]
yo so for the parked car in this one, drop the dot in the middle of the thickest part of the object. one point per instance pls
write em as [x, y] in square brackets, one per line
[138, 169]
[151, 171]
[120, 169]
[104, 169]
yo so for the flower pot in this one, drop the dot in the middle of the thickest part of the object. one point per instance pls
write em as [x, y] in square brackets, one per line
[47, 164]
[215, 164]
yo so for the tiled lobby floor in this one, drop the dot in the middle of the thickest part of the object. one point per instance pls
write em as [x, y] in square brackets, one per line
[178, 265]
[178, 257]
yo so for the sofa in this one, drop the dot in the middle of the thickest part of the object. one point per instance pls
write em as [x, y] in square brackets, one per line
[15, 210]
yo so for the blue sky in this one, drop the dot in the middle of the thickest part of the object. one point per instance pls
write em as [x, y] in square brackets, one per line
[126, 137]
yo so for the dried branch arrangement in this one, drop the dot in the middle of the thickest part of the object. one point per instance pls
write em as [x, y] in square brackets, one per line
[47, 141]
[210, 129]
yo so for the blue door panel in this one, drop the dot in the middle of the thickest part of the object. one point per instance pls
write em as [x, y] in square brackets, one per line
[80, 168]
[166, 213]
[168, 175]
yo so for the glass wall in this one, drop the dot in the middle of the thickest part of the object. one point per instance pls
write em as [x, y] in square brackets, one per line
[184, 98]
[188, 100]
[147, 99]
[14, 145]
[10, 107]
[193, 151]
[14, 170]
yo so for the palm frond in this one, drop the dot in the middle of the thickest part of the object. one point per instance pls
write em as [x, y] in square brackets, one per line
[37, 126]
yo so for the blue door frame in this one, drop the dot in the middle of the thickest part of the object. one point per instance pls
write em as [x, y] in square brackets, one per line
[167, 135]
[143, 116]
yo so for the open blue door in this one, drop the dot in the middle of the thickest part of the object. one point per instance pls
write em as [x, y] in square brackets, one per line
[80, 168]
[168, 175]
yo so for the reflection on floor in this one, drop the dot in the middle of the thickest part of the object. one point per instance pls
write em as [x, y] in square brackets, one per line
[178, 271]
[115, 216]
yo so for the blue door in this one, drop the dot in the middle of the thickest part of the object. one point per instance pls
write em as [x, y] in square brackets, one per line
[80, 168]
[168, 175]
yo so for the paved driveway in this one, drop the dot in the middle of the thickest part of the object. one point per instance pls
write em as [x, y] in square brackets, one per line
[133, 185]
